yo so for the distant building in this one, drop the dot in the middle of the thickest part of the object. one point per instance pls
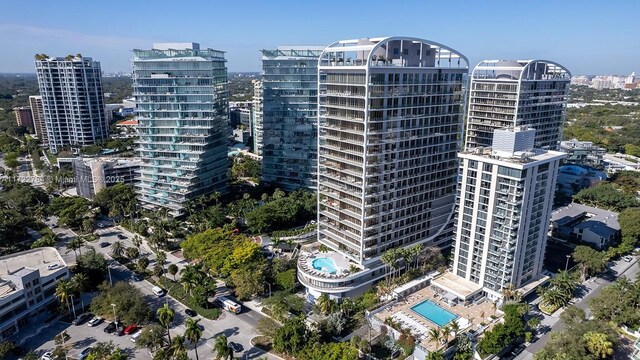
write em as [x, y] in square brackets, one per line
[572, 178]
[256, 118]
[290, 116]
[95, 174]
[27, 286]
[241, 136]
[504, 202]
[582, 152]
[37, 114]
[616, 162]
[510, 93]
[577, 222]
[23, 117]
[73, 102]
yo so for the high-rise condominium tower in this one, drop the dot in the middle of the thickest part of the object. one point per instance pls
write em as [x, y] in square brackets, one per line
[72, 100]
[23, 117]
[289, 116]
[504, 206]
[509, 93]
[256, 118]
[390, 120]
[37, 114]
[182, 96]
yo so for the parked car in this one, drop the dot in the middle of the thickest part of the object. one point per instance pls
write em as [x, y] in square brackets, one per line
[129, 330]
[190, 312]
[136, 335]
[121, 237]
[81, 319]
[627, 258]
[136, 277]
[158, 290]
[235, 346]
[119, 329]
[84, 353]
[104, 244]
[111, 327]
[46, 356]
[95, 321]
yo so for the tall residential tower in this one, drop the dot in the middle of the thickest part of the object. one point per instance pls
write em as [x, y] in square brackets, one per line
[182, 96]
[37, 114]
[289, 116]
[509, 93]
[72, 101]
[390, 120]
[506, 196]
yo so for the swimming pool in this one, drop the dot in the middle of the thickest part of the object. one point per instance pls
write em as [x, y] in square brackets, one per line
[324, 264]
[434, 313]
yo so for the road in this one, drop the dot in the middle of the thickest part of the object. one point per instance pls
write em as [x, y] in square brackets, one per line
[239, 328]
[592, 288]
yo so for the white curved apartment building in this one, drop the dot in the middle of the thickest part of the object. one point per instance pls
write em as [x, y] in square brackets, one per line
[390, 123]
[510, 93]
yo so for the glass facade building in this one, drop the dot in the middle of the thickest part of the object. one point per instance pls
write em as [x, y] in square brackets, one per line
[509, 93]
[183, 111]
[289, 119]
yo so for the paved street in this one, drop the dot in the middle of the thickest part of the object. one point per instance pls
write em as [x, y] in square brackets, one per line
[593, 287]
[238, 328]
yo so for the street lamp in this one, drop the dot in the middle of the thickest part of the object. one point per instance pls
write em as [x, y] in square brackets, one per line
[566, 266]
[115, 317]
[269, 289]
[110, 279]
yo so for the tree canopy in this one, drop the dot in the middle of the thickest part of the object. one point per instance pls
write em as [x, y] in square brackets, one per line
[131, 307]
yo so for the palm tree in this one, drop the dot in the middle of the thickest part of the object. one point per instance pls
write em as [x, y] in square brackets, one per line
[161, 257]
[75, 245]
[165, 317]
[215, 196]
[79, 282]
[221, 348]
[417, 251]
[454, 327]
[132, 252]
[64, 291]
[173, 270]
[508, 292]
[446, 332]
[178, 348]
[193, 333]
[386, 260]
[435, 355]
[435, 336]
[494, 306]
[598, 344]
[192, 275]
[117, 249]
[137, 241]
[324, 304]
[118, 354]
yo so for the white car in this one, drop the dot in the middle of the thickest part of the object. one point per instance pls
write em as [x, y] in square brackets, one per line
[627, 258]
[136, 335]
[95, 321]
[46, 356]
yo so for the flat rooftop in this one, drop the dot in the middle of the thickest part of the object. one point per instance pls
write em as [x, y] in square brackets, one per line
[518, 158]
[43, 259]
[456, 285]
[597, 220]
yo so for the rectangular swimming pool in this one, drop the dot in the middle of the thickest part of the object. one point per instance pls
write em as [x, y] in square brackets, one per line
[434, 313]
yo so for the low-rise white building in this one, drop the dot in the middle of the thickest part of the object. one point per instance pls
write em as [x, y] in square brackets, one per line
[27, 285]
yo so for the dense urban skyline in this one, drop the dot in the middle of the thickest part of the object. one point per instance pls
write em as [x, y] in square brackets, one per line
[589, 37]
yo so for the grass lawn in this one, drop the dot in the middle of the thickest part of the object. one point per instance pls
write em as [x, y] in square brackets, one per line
[177, 291]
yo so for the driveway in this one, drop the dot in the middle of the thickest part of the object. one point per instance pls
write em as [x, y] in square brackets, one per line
[239, 328]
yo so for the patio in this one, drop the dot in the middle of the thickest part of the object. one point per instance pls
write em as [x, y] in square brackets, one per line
[469, 316]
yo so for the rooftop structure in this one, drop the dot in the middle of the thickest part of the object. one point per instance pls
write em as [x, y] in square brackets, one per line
[585, 223]
[582, 152]
[510, 93]
[390, 117]
[505, 198]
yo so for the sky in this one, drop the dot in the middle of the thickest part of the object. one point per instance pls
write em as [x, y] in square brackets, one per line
[587, 36]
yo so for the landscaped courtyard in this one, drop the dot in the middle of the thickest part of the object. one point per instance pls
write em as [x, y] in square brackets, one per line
[468, 317]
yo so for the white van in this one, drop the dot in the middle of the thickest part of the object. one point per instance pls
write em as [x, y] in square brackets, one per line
[157, 290]
[135, 336]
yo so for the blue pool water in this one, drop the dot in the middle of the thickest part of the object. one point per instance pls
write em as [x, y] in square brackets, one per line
[434, 313]
[324, 264]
